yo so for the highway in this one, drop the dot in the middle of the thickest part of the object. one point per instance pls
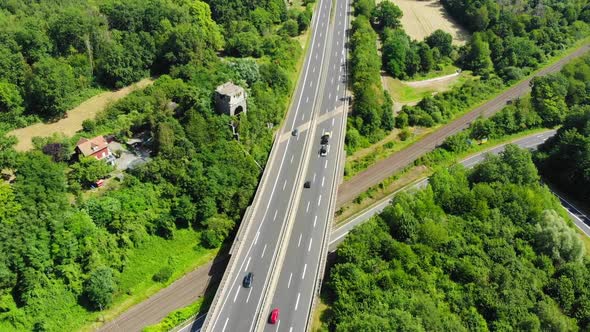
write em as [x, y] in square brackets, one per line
[284, 231]
[266, 228]
[299, 274]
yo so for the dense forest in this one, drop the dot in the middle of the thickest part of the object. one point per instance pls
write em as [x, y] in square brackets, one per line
[63, 249]
[52, 53]
[510, 40]
[488, 249]
[371, 116]
[565, 159]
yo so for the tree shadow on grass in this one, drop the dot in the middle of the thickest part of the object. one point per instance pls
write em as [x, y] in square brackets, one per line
[327, 296]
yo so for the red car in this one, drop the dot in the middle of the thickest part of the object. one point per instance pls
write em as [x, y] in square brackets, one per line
[274, 316]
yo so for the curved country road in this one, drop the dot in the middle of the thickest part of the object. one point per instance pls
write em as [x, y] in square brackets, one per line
[380, 171]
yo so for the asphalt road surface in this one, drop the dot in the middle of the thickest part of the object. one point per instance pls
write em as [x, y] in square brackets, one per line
[235, 307]
[298, 278]
[396, 162]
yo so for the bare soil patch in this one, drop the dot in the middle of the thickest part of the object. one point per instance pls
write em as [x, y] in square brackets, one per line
[422, 18]
[409, 93]
[73, 123]
[434, 82]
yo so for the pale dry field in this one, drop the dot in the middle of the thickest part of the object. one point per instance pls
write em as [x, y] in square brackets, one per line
[73, 123]
[422, 18]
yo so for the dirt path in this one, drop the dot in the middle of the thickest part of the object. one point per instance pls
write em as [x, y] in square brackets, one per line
[433, 82]
[396, 162]
[73, 123]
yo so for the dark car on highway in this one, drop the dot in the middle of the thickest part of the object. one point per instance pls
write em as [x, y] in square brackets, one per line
[325, 137]
[248, 280]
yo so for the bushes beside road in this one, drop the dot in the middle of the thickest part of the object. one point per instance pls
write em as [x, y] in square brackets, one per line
[487, 249]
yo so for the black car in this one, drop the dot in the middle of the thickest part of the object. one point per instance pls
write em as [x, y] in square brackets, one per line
[307, 184]
[323, 150]
[248, 280]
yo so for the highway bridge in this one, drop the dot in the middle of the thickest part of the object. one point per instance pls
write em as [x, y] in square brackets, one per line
[283, 238]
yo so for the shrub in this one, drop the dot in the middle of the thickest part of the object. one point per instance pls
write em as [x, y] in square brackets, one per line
[163, 274]
[404, 134]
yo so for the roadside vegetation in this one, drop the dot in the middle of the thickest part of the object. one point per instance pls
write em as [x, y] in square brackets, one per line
[465, 93]
[70, 257]
[477, 250]
[553, 98]
[565, 159]
[505, 47]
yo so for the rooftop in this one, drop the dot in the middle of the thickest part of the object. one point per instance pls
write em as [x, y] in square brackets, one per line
[90, 146]
[229, 89]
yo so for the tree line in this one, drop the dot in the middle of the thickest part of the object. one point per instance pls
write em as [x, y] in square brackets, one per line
[555, 99]
[565, 159]
[509, 41]
[371, 117]
[62, 250]
[478, 250]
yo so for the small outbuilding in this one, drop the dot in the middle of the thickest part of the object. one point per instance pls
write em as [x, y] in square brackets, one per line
[230, 99]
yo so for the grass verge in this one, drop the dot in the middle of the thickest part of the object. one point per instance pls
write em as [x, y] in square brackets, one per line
[403, 93]
[183, 254]
[362, 159]
[317, 325]
[176, 318]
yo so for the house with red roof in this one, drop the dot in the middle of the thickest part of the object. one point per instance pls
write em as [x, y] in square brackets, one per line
[96, 147]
